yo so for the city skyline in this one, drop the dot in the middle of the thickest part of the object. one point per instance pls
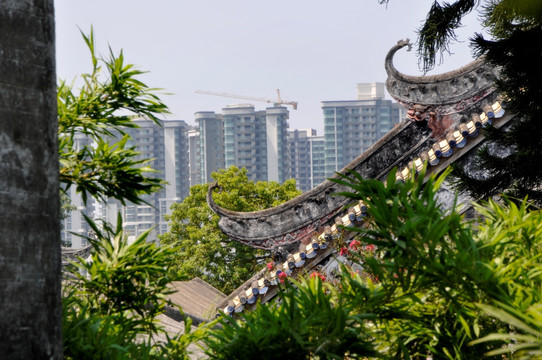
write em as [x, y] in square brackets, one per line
[311, 51]
[258, 141]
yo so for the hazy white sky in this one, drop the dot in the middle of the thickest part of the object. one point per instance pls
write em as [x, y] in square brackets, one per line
[312, 51]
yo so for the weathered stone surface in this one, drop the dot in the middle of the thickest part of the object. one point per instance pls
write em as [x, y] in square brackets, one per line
[451, 88]
[30, 326]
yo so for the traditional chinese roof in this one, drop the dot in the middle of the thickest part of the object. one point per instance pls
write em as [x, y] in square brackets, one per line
[69, 255]
[174, 326]
[454, 88]
[196, 298]
[442, 101]
[445, 114]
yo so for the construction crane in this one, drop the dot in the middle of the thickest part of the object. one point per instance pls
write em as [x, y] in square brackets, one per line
[277, 102]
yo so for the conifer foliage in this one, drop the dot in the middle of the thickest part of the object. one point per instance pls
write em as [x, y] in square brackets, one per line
[515, 47]
[517, 51]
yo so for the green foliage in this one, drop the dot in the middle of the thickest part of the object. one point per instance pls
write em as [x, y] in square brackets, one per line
[117, 293]
[525, 342]
[88, 334]
[204, 250]
[438, 31]
[504, 17]
[125, 277]
[65, 208]
[512, 238]
[440, 287]
[112, 301]
[310, 321]
[428, 267]
[179, 346]
[517, 52]
[105, 104]
[444, 284]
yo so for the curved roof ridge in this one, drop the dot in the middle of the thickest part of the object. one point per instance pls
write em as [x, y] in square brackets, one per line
[445, 88]
[298, 218]
[391, 70]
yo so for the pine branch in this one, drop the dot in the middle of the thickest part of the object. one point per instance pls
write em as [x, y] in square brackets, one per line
[438, 31]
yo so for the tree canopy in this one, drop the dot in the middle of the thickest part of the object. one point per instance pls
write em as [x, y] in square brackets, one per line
[205, 251]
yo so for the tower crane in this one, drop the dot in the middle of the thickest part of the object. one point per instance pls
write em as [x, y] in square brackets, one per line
[277, 102]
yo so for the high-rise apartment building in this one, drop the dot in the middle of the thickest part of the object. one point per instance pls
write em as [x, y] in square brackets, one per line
[167, 145]
[278, 161]
[241, 136]
[352, 126]
[210, 145]
[318, 160]
[307, 161]
[75, 223]
[194, 156]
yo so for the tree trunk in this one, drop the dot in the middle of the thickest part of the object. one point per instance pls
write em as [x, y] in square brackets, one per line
[30, 321]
